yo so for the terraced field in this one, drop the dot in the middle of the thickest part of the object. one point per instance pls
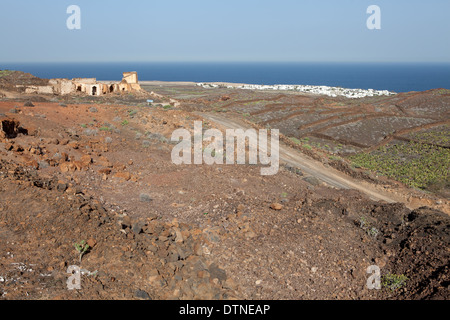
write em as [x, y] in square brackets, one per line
[404, 137]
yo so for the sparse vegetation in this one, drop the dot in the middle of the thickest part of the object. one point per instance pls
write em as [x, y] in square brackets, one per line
[438, 137]
[368, 227]
[393, 281]
[132, 113]
[373, 232]
[82, 248]
[417, 165]
[4, 73]
[335, 158]
[442, 91]
[252, 103]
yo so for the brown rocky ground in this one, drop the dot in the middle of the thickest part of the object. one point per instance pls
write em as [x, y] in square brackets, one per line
[100, 170]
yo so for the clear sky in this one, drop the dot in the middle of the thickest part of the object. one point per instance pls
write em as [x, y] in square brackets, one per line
[231, 30]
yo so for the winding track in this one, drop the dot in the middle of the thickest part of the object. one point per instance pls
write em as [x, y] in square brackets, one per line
[308, 165]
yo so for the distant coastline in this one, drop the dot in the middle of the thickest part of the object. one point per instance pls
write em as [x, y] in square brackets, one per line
[320, 90]
[392, 77]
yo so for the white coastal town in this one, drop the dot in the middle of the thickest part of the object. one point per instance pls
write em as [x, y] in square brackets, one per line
[319, 90]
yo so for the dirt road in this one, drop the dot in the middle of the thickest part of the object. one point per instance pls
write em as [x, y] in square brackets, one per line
[328, 175]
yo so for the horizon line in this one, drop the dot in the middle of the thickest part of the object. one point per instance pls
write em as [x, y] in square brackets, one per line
[222, 61]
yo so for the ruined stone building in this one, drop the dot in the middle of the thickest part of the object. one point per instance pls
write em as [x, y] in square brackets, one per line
[89, 86]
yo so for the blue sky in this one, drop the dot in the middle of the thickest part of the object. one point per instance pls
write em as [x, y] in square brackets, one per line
[232, 30]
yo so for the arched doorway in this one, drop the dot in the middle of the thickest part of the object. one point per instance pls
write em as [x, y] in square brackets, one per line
[94, 90]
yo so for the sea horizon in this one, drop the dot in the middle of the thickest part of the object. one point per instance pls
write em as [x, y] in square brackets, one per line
[391, 76]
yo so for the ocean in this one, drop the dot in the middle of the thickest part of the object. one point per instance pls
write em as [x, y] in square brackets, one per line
[395, 77]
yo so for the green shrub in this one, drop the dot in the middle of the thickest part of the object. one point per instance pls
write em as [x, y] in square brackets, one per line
[82, 248]
[393, 281]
